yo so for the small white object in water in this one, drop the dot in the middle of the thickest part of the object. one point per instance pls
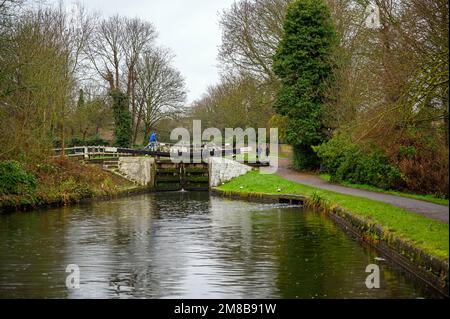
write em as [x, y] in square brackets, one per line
[380, 259]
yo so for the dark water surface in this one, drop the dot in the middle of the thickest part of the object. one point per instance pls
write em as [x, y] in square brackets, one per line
[188, 245]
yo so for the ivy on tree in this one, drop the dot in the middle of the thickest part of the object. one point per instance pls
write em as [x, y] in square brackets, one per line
[303, 64]
[122, 119]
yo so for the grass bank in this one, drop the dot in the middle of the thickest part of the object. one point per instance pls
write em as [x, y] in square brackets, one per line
[424, 233]
[64, 181]
[427, 198]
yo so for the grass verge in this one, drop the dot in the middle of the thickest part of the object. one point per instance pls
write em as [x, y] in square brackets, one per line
[427, 234]
[426, 198]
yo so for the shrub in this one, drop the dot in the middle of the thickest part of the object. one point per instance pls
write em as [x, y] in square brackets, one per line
[96, 141]
[56, 142]
[347, 161]
[304, 158]
[93, 141]
[334, 152]
[15, 180]
[423, 162]
[75, 141]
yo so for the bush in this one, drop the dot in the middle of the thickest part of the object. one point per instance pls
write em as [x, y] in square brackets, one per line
[75, 141]
[93, 141]
[423, 162]
[304, 158]
[56, 142]
[96, 141]
[334, 152]
[349, 162]
[15, 180]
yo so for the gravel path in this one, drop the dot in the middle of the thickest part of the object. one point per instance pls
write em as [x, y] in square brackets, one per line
[431, 210]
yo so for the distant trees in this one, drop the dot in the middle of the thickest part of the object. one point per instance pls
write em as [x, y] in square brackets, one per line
[303, 63]
[91, 115]
[238, 101]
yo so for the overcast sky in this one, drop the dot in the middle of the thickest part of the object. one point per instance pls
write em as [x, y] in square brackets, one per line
[188, 27]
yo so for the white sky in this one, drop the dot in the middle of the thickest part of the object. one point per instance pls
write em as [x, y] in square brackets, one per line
[188, 27]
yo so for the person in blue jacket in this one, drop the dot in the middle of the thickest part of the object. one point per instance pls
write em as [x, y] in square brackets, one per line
[153, 141]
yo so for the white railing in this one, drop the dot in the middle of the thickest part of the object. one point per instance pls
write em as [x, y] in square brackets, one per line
[93, 151]
[88, 152]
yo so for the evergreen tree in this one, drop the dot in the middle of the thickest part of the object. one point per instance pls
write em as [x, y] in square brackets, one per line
[122, 118]
[81, 101]
[303, 64]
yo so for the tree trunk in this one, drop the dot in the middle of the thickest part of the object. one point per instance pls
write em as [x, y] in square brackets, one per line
[136, 129]
[446, 119]
[146, 134]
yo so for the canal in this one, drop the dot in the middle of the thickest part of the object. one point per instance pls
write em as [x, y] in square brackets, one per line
[189, 245]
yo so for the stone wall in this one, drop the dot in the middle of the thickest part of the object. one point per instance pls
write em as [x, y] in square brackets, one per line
[140, 170]
[222, 170]
[137, 169]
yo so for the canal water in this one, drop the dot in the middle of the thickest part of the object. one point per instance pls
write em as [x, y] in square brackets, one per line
[189, 245]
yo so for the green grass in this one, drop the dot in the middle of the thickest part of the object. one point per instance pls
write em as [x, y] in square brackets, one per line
[251, 157]
[282, 155]
[427, 198]
[243, 157]
[430, 235]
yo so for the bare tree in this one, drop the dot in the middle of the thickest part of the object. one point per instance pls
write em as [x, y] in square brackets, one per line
[237, 101]
[161, 89]
[115, 51]
[139, 37]
[75, 30]
[105, 51]
[252, 30]
[8, 9]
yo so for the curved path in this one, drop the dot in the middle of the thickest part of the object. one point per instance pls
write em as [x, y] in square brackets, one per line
[431, 210]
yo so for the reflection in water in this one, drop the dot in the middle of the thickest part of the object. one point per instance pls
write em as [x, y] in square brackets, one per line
[188, 245]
